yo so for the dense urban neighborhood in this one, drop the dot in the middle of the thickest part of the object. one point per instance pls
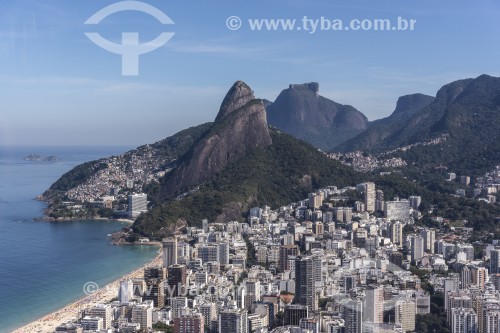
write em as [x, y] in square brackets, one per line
[342, 260]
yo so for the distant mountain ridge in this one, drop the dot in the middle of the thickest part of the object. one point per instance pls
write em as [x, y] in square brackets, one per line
[466, 111]
[301, 112]
[382, 131]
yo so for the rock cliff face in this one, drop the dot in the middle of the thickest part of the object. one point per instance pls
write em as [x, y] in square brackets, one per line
[410, 104]
[300, 111]
[465, 112]
[239, 128]
[239, 95]
[382, 131]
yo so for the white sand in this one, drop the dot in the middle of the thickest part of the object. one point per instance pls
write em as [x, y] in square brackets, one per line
[48, 323]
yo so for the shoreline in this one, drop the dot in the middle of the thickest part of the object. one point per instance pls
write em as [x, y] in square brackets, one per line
[104, 294]
[46, 217]
[62, 220]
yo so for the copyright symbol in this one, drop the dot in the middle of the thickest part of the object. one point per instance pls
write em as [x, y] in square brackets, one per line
[233, 23]
[90, 288]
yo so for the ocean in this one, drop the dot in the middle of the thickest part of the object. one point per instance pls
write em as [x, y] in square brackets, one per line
[44, 265]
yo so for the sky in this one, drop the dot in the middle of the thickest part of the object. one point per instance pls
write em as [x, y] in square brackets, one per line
[59, 88]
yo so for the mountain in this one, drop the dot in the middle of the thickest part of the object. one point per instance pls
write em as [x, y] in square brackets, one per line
[382, 131]
[215, 170]
[239, 128]
[218, 170]
[410, 104]
[463, 120]
[300, 111]
[79, 183]
[236, 164]
[275, 175]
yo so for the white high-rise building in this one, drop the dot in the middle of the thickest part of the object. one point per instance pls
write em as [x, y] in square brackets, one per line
[415, 201]
[379, 202]
[423, 302]
[451, 284]
[429, 236]
[491, 321]
[208, 253]
[143, 314]
[223, 253]
[396, 233]
[125, 293]
[183, 252]
[417, 248]
[103, 311]
[178, 304]
[253, 292]
[94, 324]
[370, 196]
[405, 315]
[209, 312]
[479, 276]
[465, 277]
[169, 251]
[204, 223]
[463, 320]
[374, 305]
[137, 204]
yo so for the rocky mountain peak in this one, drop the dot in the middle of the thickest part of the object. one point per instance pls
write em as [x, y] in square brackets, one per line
[412, 103]
[311, 86]
[240, 127]
[300, 111]
[239, 95]
[451, 91]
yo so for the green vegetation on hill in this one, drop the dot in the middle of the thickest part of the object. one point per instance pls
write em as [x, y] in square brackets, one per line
[468, 111]
[170, 149]
[282, 173]
[78, 175]
[286, 172]
[178, 144]
[472, 147]
[479, 215]
[382, 132]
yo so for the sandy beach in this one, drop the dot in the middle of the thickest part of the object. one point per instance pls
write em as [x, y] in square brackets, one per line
[105, 294]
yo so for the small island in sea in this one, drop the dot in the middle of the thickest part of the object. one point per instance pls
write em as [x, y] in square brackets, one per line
[41, 158]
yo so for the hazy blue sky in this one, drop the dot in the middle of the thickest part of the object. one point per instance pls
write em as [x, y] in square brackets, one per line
[57, 87]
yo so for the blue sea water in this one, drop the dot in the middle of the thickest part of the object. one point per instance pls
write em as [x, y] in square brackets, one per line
[44, 266]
